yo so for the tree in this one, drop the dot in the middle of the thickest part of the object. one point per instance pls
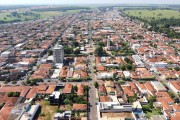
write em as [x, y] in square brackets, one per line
[75, 44]
[77, 51]
[122, 67]
[103, 44]
[171, 94]
[99, 51]
[129, 66]
[28, 81]
[66, 101]
[96, 85]
[68, 50]
[146, 108]
[128, 60]
[50, 52]
[86, 88]
[75, 88]
[16, 94]
[177, 68]
[10, 94]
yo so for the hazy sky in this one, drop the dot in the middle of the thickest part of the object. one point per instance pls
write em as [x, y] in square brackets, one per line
[15, 2]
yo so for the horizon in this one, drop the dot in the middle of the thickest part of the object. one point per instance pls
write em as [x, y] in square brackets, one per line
[92, 2]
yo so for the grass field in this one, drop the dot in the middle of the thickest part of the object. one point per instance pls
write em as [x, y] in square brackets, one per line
[156, 14]
[4, 15]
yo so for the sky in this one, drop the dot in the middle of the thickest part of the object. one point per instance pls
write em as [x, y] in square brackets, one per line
[54, 2]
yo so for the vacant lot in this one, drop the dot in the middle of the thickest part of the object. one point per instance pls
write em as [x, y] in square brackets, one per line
[156, 14]
[47, 109]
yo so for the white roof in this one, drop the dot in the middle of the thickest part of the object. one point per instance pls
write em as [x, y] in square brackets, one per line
[158, 85]
[55, 73]
[56, 93]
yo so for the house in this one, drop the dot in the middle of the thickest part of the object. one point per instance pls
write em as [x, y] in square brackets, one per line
[109, 84]
[142, 89]
[174, 86]
[110, 91]
[42, 89]
[80, 90]
[67, 89]
[100, 68]
[50, 89]
[158, 86]
[79, 107]
[164, 97]
[150, 88]
[104, 99]
[32, 93]
[102, 90]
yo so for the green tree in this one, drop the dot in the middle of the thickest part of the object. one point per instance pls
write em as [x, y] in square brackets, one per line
[122, 67]
[177, 68]
[86, 88]
[171, 94]
[77, 51]
[75, 44]
[50, 52]
[96, 85]
[146, 108]
[10, 94]
[28, 81]
[68, 50]
[99, 51]
[75, 88]
[129, 66]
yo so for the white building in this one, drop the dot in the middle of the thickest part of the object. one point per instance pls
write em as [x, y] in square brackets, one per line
[114, 107]
[159, 64]
[135, 46]
[30, 113]
[104, 75]
[65, 114]
[127, 74]
[58, 54]
[5, 54]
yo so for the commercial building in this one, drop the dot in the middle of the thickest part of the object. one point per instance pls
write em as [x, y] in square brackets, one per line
[58, 54]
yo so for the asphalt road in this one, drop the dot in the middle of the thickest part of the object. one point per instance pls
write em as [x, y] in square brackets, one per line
[92, 93]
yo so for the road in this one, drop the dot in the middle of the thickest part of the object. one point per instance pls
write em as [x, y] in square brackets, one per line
[92, 93]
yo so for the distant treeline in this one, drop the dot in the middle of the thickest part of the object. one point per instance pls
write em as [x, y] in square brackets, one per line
[162, 25]
[151, 8]
[63, 9]
[12, 21]
[13, 7]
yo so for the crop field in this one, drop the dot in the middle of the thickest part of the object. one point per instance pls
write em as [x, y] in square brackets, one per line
[153, 14]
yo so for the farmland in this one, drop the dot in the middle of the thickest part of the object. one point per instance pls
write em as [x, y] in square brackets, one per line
[153, 14]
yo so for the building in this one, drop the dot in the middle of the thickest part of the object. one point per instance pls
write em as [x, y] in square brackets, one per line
[66, 115]
[58, 54]
[114, 107]
[158, 86]
[174, 86]
[54, 97]
[30, 113]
